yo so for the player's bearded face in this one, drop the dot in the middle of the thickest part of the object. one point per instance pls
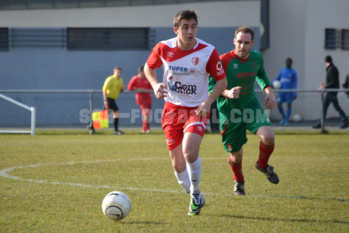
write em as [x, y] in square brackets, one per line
[243, 43]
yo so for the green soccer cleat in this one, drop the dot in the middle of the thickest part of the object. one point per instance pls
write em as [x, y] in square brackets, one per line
[197, 201]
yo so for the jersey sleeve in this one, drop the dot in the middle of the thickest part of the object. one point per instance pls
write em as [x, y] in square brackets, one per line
[154, 60]
[211, 84]
[214, 66]
[295, 83]
[131, 84]
[106, 84]
[261, 77]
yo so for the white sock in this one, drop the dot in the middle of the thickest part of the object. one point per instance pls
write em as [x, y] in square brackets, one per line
[194, 171]
[183, 180]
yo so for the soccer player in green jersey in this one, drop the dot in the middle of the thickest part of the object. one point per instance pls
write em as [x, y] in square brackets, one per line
[239, 108]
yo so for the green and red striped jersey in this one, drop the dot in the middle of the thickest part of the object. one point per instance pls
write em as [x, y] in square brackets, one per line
[244, 73]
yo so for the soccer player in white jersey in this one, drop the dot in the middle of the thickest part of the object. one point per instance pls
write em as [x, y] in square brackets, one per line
[187, 62]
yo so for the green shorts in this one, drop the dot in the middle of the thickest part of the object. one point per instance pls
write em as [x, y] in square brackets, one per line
[235, 124]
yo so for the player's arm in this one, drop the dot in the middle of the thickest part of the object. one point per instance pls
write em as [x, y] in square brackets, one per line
[261, 76]
[205, 107]
[216, 71]
[130, 85]
[233, 93]
[105, 99]
[270, 98]
[221, 85]
[160, 89]
[333, 75]
[104, 91]
[295, 85]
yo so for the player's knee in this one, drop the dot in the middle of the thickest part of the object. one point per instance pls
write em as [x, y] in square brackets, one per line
[190, 155]
[268, 139]
[235, 157]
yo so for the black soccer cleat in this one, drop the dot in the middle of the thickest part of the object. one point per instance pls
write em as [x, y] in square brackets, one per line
[269, 173]
[239, 188]
[90, 128]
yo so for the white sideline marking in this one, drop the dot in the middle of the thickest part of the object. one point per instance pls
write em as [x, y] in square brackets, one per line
[4, 174]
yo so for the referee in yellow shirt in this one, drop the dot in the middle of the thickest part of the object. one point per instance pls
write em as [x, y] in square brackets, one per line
[113, 86]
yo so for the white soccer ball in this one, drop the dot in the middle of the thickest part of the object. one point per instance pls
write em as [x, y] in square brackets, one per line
[116, 205]
[297, 117]
[276, 84]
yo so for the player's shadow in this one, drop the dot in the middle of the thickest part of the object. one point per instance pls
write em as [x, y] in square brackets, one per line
[285, 219]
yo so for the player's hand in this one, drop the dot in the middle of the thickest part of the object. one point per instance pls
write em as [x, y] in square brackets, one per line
[233, 93]
[106, 104]
[322, 86]
[270, 101]
[160, 91]
[203, 109]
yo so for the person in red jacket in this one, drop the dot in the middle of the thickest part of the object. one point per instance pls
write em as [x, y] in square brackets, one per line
[140, 83]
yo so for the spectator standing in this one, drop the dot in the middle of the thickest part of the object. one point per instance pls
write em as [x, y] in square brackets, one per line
[140, 83]
[346, 86]
[332, 82]
[113, 86]
[288, 79]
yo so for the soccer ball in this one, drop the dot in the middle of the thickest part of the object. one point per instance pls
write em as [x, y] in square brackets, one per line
[116, 205]
[297, 118]
[277, 84]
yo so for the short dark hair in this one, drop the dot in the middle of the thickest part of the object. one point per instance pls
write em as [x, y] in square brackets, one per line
[117, 68]
[245, 29]
[290, 59]
[328, 59]
[185, 14]
[140, 69]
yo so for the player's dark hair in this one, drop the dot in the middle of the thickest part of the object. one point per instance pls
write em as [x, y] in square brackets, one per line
[140, 69]
[117, 68]
[185, 14]
[289, 59]
[245, 29]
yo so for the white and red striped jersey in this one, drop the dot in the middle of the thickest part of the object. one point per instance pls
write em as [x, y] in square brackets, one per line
[186, 73]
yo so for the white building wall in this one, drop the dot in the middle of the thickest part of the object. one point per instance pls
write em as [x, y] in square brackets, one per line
[321, 15]
[58, 68]
[297, 30]
[211, 14]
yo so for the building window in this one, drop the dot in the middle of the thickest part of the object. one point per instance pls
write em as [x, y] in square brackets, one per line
[37, 37]
[107, 38]
[345, 39]
[3, 39]
[330, 38]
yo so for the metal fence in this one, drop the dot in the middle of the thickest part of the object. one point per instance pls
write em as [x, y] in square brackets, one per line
[73, 108]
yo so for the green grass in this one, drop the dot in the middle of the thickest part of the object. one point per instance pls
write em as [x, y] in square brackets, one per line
[57, 180]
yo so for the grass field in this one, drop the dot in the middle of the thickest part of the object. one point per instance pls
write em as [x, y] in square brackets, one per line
[56, 180]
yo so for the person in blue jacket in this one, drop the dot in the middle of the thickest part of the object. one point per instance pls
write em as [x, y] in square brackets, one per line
[288, 79]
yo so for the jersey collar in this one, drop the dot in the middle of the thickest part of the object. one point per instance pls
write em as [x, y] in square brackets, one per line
[242, 60]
